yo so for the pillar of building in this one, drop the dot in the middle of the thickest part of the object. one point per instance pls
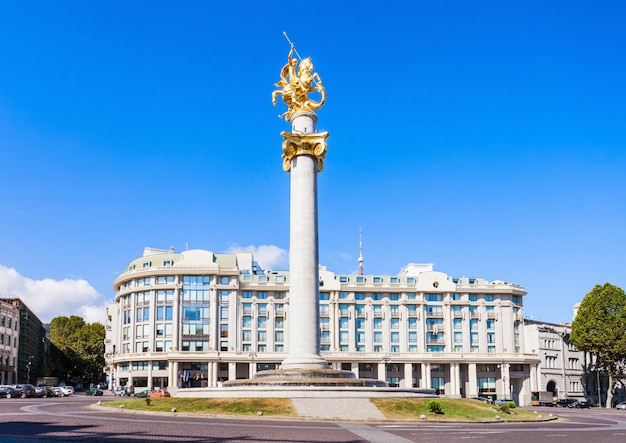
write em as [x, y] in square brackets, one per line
[426, 375]
[455, 389]
[534, 378]
[303, 155]
[150, 383]
[382, 371]
[172, 376]
[472, 382]
[408, 375]
[355, 368]
[505, 380]
[232, 371]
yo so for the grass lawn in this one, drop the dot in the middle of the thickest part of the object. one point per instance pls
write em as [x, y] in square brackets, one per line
[229, 406]
[392, 408]
[451, 409]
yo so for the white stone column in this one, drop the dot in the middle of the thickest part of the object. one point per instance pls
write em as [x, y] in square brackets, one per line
[382, 371]
[534, 378]
[150, 382]
[408, 375]
[304, 338]
[454, 380]
[232, 371]
[426, 375]
[472, 382]
[506, 380]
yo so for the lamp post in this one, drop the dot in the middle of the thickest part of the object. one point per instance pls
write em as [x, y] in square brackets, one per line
[28, 366]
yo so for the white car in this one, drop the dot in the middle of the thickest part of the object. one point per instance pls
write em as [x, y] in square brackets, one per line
[621, 405]
[63, 391]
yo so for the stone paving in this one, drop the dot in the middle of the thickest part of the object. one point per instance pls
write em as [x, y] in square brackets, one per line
[337, 408]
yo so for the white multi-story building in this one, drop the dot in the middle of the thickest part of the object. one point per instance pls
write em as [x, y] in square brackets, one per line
[198, 318]
[9, 342]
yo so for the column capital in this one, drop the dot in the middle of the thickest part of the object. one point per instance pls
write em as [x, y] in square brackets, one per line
[295, 144]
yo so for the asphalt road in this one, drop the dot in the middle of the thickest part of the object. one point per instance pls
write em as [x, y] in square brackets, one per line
[70, 419]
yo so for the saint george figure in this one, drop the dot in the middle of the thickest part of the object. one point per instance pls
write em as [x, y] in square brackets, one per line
[295, 83]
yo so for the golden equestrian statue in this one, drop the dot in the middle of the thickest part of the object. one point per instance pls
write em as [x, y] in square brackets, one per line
[296, 82]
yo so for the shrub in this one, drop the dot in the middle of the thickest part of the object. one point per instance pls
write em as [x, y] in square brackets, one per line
[147, 401]
[511, 405]
[504, 409]
[434, 406]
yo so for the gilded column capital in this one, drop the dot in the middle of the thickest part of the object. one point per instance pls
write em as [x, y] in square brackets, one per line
[304, 144]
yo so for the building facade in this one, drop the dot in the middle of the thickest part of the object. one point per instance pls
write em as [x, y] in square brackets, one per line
[565, 371]
[9, 342]
[30, 351]
[198, 318]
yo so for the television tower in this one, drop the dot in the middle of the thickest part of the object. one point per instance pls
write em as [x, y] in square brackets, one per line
[360, 251]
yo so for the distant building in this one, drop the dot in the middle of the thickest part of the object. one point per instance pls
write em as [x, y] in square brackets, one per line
[197, 318]
[30, 358]
[9, 342]
[564, 370]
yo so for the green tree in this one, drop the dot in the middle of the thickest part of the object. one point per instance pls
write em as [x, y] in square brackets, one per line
[600, 329]
[79, 348]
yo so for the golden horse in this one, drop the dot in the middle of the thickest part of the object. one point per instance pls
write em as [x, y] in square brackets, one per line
[295, 83]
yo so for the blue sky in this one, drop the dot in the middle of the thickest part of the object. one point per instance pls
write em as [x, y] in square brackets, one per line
[485, 137]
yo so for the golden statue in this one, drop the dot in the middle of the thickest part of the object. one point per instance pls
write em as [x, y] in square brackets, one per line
[296, 82]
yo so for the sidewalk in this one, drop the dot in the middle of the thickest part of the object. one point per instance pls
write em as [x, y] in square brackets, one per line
[337, 408]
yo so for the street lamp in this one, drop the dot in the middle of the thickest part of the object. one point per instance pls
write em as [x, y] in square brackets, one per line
[28, 366]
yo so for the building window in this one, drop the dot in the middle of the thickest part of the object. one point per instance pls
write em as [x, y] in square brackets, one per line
[438, 384]
[378, 337]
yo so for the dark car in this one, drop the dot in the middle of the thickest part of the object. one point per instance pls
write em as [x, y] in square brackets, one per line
[580, 404]
[142, 394]
[43, 391]
[26, 390]
[565, 402]
[8, 392]
[94, 392]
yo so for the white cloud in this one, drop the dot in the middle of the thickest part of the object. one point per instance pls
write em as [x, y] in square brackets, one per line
[50, 298]
[270, 257]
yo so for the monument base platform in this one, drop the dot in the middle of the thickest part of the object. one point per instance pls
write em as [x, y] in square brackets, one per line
[306, 377]
[304, 383]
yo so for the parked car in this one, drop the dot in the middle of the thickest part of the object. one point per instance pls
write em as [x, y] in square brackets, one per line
[158, 393]
[142, 394]
[580, 404]
[565, 402]
[621, 405]
[119, 391]
[8, 392]
[43, 391]
[63, 391]
[94, 392]
[25, 390]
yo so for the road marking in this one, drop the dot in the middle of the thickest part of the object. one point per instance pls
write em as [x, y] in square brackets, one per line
[372, 434]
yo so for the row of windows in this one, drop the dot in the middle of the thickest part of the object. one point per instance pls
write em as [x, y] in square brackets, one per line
[6, 340]
[394, 296]
[6, 321]
[262, 295]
